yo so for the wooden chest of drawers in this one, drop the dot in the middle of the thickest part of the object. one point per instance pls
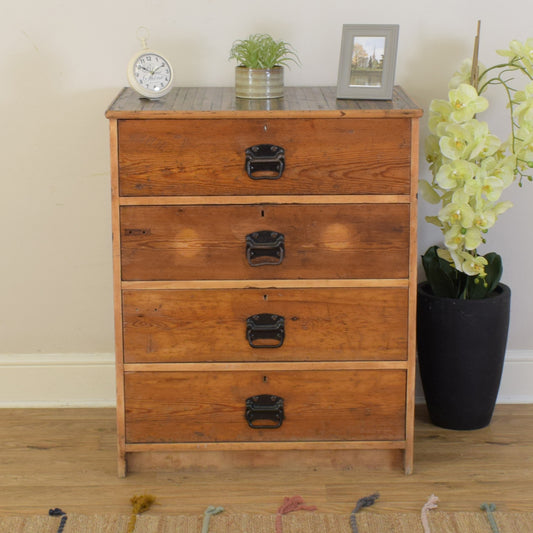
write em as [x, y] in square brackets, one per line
[265, 272]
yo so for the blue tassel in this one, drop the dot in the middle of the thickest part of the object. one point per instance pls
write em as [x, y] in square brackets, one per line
[489, 508]
[63, 515]
[367, 501]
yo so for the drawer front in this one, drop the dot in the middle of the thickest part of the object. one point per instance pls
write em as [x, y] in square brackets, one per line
[207, 157]
[317, 405]
[265, 325]
[319, 242]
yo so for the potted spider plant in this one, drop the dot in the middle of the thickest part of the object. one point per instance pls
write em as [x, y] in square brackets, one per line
[261, 60]
[463, 308]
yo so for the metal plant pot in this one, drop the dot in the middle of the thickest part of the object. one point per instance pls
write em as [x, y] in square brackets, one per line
[259, 83]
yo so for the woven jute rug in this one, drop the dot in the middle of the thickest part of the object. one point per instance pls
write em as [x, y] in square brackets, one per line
[298, 522]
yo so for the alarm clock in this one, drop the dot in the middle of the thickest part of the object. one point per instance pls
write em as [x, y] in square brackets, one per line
[149, 72]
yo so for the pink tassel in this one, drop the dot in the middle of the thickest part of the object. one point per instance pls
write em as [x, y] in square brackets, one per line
[430, 504]
[296, 503]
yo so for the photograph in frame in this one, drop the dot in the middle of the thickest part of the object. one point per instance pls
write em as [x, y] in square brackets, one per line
[367, 61]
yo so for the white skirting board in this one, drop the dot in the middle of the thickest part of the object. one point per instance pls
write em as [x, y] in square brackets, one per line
[57, 380]
[88, 380]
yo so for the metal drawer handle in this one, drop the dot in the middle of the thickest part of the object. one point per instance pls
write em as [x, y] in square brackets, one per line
[265, 326]
[265, 161]
[264, 407]
[265, 248]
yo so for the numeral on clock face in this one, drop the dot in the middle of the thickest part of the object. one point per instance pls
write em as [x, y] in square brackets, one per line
[152, 72]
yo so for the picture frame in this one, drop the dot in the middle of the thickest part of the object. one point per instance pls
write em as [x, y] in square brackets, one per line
[367, 61]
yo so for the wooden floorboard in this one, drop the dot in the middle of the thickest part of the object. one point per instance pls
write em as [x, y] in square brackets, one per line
[67, 458]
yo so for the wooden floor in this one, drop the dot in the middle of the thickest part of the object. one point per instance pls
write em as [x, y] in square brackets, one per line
[66, 458]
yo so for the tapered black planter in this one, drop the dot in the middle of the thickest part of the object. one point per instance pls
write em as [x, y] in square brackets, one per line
[461, 349]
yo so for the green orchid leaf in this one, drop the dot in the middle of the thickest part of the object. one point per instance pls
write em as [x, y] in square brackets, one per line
[476, 288]
[494, 270]
[441, 275]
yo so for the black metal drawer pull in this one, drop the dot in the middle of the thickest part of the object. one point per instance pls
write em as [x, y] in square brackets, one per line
[265, 326]
[264, 407]
[265, 248]
[265, 162]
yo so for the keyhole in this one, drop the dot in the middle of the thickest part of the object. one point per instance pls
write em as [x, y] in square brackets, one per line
[265, 379]
[265, 297]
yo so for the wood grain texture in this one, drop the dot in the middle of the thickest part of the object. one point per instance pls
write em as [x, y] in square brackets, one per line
[319, 324]
[319, 405]
[67, 458]
[209, 242]
[219, 102]
[322, 156]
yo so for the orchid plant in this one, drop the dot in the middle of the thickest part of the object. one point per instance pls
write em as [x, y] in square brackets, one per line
[471, 168]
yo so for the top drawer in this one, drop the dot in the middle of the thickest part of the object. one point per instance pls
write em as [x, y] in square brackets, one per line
[207, 157]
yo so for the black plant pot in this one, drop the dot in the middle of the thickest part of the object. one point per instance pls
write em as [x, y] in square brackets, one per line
[461, 349]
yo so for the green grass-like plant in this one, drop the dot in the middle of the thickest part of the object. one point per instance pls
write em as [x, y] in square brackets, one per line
[261, 51]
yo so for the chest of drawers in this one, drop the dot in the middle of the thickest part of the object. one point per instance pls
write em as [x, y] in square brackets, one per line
[264, 269]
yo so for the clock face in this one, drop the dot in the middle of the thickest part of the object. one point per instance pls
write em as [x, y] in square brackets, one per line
[150, 74]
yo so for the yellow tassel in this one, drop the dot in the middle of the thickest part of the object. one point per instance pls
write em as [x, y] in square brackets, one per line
[140, 504]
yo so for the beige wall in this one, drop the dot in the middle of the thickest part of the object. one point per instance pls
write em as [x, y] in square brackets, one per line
[63, 62]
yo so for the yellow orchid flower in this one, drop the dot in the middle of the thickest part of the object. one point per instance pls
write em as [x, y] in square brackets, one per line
[445, 254]
[440, 111]
[492, 188]
[456, 141]
[463, 74]
[458, 238]
[502, 168]
[501, 207]
[473, 265]
[484, 220]
[523, 113]
[523, 52]
[453, 174]
[465, 103]
[461, 214]
[428, 192]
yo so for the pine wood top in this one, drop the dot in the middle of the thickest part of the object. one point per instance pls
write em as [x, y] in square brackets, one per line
[220, 102]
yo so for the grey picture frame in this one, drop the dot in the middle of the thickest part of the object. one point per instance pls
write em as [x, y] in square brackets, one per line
[367, 61]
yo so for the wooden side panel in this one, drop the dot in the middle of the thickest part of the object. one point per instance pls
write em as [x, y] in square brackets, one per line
[322, 156]
[319, 324]
[318, 405]
[413, 261]
[117, 298]
[321, 241]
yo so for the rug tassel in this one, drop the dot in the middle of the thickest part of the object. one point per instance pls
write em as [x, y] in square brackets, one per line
[296, 503]
[489, 508]
[208, 513]
[140, 504]
[63, 515]
[428, 506]
[366, 501]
